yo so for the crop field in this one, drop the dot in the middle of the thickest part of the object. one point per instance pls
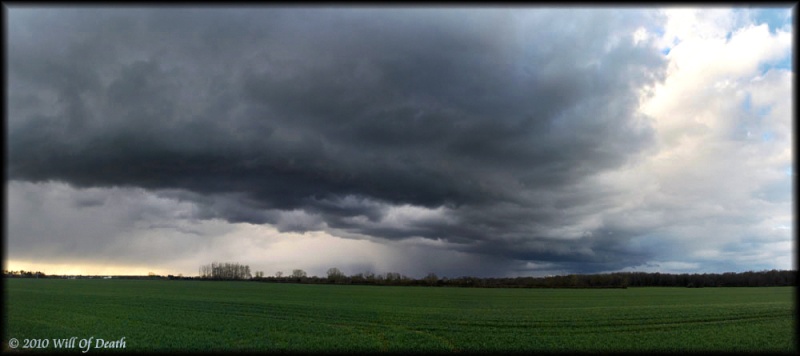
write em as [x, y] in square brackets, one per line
[248, 316]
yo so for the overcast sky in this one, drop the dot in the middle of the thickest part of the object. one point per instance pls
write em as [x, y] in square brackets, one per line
[459, 141]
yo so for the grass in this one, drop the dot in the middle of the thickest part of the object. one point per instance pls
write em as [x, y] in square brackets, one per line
[209, 316]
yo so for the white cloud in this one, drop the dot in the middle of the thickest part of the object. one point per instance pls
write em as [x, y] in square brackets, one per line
[716, 180]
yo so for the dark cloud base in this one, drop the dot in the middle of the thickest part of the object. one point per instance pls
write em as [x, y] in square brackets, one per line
[496, 116]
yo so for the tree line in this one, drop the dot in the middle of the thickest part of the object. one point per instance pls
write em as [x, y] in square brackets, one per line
[23, 274]
[236, 271]
[606, 280]
[225, 271]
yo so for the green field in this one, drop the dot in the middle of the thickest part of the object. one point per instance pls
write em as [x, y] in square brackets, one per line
[198, 316]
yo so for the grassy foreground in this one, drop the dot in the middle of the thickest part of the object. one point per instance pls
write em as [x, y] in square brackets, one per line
[205, 316]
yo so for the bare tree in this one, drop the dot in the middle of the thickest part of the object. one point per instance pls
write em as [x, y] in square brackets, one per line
[225, 271]
[298, 273]
[334, 273]
[205, 271]
[279, 274]
[336, 276]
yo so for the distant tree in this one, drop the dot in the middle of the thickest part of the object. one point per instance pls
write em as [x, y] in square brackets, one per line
[205, 271]
[279, 274]
[334, 272]
[431, 279]
[573, 281]
[392, 278]
[335, 275]
[358, 278]
[298, 273]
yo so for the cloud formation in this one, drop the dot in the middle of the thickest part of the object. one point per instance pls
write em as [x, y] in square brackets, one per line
[531, 138]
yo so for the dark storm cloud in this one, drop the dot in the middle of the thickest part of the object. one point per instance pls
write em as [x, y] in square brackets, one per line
[485, 121]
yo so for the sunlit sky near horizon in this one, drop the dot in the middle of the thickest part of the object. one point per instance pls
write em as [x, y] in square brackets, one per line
[505, 141]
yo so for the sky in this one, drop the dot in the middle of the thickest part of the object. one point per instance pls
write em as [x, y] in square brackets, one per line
[489, 142]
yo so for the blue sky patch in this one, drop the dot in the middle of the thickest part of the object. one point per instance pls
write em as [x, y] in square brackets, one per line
[764, 110]
[775, 18]
[784, 63]
[747, 103]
